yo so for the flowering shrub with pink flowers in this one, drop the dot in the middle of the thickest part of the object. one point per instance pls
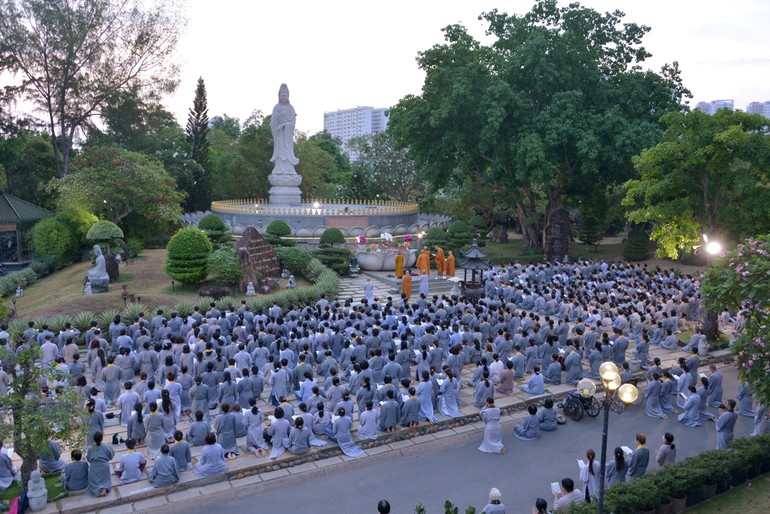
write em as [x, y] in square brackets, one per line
[740, 281]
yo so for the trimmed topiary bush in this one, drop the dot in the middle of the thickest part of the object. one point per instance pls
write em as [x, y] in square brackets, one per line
[436, 236]
[104, 230]
[459, 234]
[638, 246]
[53, 241]
[332, 236]
[278, 228]
[215, 228]
[337, 259]
[295, 260]
[187, 256]
[479, 224]
[224, 266]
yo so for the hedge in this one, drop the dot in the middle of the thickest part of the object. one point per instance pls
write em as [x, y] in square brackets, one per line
[187, 256]
[295, 260]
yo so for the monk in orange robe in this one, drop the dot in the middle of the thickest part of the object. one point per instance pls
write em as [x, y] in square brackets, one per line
[440, 260]
[449, 266]
[406, 285]
[399, 265]
[423, 262]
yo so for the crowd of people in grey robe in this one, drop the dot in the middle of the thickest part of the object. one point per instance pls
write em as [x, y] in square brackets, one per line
[238, 373]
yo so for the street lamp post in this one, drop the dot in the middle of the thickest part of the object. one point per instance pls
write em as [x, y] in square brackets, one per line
[710, 325]
[627, 393]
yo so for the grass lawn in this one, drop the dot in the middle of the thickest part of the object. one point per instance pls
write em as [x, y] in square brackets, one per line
[750, 498]
[52, 483]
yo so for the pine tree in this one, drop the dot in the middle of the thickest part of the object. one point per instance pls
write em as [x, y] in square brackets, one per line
[197, 130]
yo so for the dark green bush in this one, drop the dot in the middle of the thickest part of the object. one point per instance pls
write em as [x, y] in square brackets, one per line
[332, 236]
[53, 241]
[638, 246]
[215, 228]
[459, 234]
[135, 247]
[436, 236]
[337, 259]
[295, 260]
[224, 266]
[212, 222]
[479, 224]
[187, 256]
[80, 222]
[277, 242]
[278, 228]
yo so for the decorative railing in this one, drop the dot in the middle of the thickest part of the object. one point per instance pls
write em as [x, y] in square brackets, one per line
[314, 207]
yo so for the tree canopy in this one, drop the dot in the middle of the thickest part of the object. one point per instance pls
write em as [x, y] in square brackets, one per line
[708, 175]
[556, 99]
[197, 130]
[75, 55]
[114, 184]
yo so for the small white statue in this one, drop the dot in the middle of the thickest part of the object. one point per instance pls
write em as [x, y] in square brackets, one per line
[250, 289]
[19, 292]
[37, 494]
[292, 283]
[87, 288]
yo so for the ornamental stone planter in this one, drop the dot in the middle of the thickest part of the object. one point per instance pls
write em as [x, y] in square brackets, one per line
[384, 261]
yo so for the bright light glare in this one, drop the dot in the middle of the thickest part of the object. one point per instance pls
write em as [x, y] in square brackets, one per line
[713, 248]
[607, 370]
[316, 205]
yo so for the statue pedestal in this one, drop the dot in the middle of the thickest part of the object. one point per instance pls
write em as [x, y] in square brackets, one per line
[285, 188]
[99, 285]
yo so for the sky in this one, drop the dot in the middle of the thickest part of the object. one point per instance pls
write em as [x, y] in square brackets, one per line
[339, 54]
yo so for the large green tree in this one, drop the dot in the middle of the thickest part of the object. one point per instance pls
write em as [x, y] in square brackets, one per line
[74, 55]
[706, 176]
[114, 184]
[28, 166]
[388, 170]
[557, 97]
[197, 130]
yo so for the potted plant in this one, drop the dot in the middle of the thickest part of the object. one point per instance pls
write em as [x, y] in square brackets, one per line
[749, 452]
[714, 465]
[647, 495]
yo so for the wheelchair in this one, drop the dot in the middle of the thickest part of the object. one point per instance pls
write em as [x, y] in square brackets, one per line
[575, 405]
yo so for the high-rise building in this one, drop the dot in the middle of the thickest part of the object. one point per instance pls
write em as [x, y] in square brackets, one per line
[359, 121]
[762, 108]
[713, 107]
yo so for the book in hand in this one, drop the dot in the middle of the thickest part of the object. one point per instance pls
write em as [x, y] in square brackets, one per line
[581, 463]
[555, 488]
[272, 418]
[684, 396]
[627, 450]
[703, 375]
[335, 418]
[405, 397]
[676, 377]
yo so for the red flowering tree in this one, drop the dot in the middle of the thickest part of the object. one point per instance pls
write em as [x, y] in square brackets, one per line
[740, 281]
[113, 183]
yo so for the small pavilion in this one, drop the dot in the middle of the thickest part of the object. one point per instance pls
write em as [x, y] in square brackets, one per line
[17, 217]
[475, 260]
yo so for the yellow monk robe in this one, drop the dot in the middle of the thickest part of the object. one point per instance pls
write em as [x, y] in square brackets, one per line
[450, 265]
[440, 260]
[399, 265]
[406, 285]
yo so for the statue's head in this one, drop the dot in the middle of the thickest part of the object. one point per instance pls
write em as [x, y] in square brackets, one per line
[97, 250]
[283, 94]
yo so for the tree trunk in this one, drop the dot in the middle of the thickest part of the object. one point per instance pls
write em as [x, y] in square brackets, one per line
[710, 325]
[529, 233]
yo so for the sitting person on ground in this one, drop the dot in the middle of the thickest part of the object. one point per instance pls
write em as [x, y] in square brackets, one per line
[298, 441]
[49, 460]
[7, 470]
[165, 472]
[75, 474]
[547, 417]
[131, 465]
[199, 429]
[180, 451]
[212, 459]
[529, 429]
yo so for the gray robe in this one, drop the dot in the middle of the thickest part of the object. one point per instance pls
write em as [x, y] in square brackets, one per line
[725, 426]
[652, 400]
[255, 439]
[341, 431]
[165, 472]
[493, 434]
[224, 427]
[529, 429]
[389, 414]
[212, 460]
[99, 472]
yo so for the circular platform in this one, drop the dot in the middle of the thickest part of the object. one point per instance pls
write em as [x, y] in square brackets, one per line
[312, 218]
